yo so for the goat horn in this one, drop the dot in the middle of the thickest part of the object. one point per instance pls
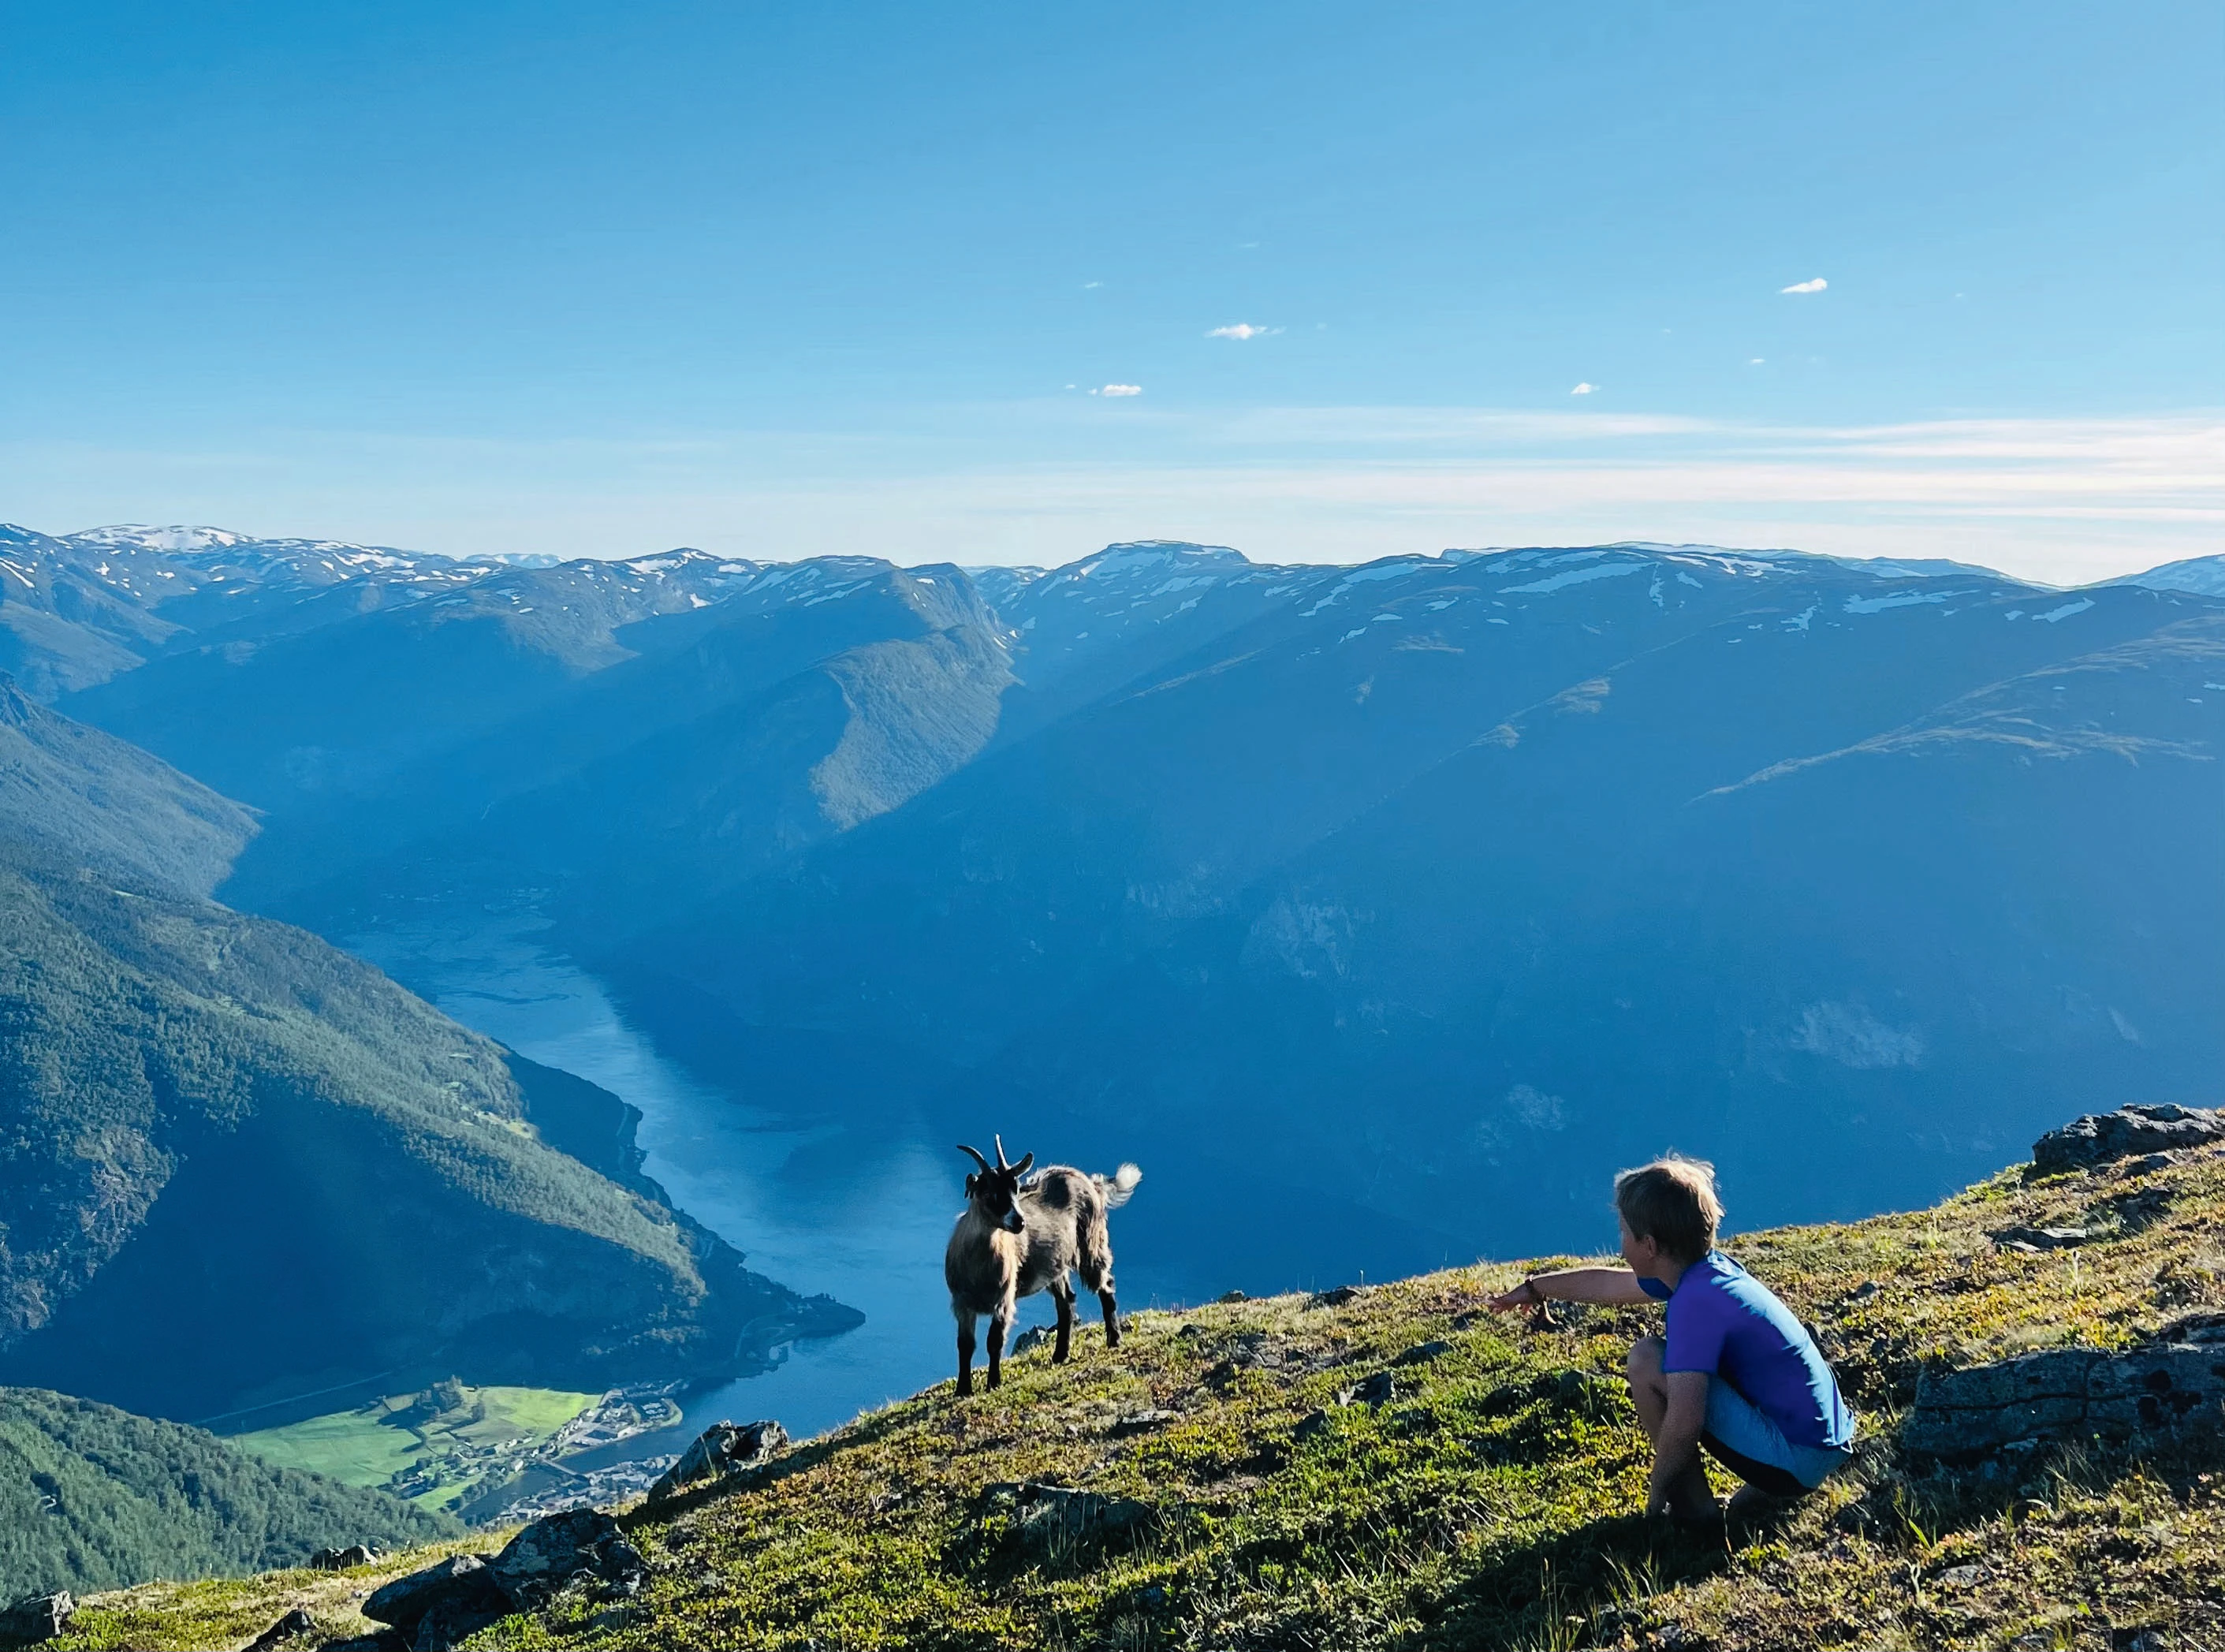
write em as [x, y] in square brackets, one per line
[1001, 1163]
[977, 1158]
[1021, 1169]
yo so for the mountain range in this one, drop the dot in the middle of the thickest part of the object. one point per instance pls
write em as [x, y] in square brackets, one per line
[1419, 895]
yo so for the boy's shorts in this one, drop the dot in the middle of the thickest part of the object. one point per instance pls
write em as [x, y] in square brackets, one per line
[1744, 1440]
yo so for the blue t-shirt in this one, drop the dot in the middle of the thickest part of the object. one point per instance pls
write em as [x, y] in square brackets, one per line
[1723, 1321]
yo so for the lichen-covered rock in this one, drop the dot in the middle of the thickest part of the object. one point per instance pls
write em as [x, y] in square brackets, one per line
[720, 1449]
[2142, 1127]
[2065, 1393]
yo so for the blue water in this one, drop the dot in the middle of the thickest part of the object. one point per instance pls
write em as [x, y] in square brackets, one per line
[870, 1233]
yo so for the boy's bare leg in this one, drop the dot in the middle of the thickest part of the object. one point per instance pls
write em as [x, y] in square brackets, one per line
[1689, 1497]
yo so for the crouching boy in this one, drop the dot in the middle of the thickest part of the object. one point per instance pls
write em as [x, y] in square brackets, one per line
[1736, 1374]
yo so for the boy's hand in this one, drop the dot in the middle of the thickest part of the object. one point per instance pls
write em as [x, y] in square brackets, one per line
[1525, 1295]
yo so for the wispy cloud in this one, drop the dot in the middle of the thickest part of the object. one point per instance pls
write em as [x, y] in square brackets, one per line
[1815, 286]
[1117, 390]
[1241, 330]
[1585, 389]
[1087, 286]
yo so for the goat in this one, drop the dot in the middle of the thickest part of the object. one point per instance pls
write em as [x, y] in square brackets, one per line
[1016, 1237]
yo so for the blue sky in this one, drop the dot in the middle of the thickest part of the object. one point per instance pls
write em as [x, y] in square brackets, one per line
[790, 279]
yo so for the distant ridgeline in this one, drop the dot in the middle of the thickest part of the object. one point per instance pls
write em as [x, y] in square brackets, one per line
[241, 1166]
[1422, 893]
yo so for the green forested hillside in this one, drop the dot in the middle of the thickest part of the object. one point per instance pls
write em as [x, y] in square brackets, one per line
[91, 1497]
[238, 1165]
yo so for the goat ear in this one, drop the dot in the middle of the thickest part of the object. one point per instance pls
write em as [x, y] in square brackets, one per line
[970, 1180]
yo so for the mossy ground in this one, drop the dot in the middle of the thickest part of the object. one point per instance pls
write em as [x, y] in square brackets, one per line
[1490, 1502]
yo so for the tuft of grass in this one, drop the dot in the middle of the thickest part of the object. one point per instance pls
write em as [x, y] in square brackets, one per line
[1491, 1501]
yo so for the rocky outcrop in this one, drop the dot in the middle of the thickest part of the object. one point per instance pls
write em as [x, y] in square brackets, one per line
[433, 1609]
[36, 1618]
[721, 1450]
[2130, 1132]
[2176, 1382]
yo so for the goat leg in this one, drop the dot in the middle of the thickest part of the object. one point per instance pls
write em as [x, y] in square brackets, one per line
[997, 1350]
[1112, 1315]
[966, 1355]
[1059, 1350]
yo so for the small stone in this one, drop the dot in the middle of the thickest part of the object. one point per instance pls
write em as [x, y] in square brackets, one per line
[1378, 1389]
[1033, 1337]
[1336, 1297]
[1231, 1296]
[1865, 1291]
[1962, 1576]
[1312, 1423]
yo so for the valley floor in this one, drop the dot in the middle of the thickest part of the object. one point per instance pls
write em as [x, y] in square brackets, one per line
[1396, 1467]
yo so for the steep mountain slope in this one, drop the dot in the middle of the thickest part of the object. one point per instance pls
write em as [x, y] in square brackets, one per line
[239, 1164]
[1395, 1467]
[91, 1497]
[89, 798]
[1465, 853]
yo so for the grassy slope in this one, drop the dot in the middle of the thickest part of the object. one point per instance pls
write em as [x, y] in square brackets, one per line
[1490, 1503]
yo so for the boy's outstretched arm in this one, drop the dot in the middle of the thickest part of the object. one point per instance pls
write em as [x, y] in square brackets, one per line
[1613, 1287]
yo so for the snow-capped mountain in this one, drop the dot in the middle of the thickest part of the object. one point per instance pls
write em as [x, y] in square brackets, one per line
[2204, 576]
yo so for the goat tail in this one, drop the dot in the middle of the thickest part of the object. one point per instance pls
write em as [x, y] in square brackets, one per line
[1119, 1185]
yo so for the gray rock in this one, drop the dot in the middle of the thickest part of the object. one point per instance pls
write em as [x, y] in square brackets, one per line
[720, 1451]
[1312, 1423]
[558, 1548]
[1378, 1389]
[449, 1623]
[2035, 1240]
[2140, 1128]
[1142, 1422]
[2155, 1391]
[295, 1623]
[37, 1617]
[1033, 1337]
[461, 1579]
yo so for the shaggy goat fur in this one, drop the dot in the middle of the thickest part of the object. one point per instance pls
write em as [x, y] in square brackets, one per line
[1016, 1238]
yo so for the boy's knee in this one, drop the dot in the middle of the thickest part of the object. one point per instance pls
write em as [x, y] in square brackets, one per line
[1644, 1360]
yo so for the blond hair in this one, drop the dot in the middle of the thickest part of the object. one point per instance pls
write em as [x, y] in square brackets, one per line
[1672, 1202]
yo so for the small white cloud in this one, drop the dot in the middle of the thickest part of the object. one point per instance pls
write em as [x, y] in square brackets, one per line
[1241, 330]
[1087, 285]
[1815, 286]
[1755, 361]
[1583, 390]
[1118, 390]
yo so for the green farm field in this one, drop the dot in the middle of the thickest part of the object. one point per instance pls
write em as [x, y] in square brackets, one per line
[432, 1447]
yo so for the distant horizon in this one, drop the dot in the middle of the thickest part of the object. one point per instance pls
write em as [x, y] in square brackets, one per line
[530, 559]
